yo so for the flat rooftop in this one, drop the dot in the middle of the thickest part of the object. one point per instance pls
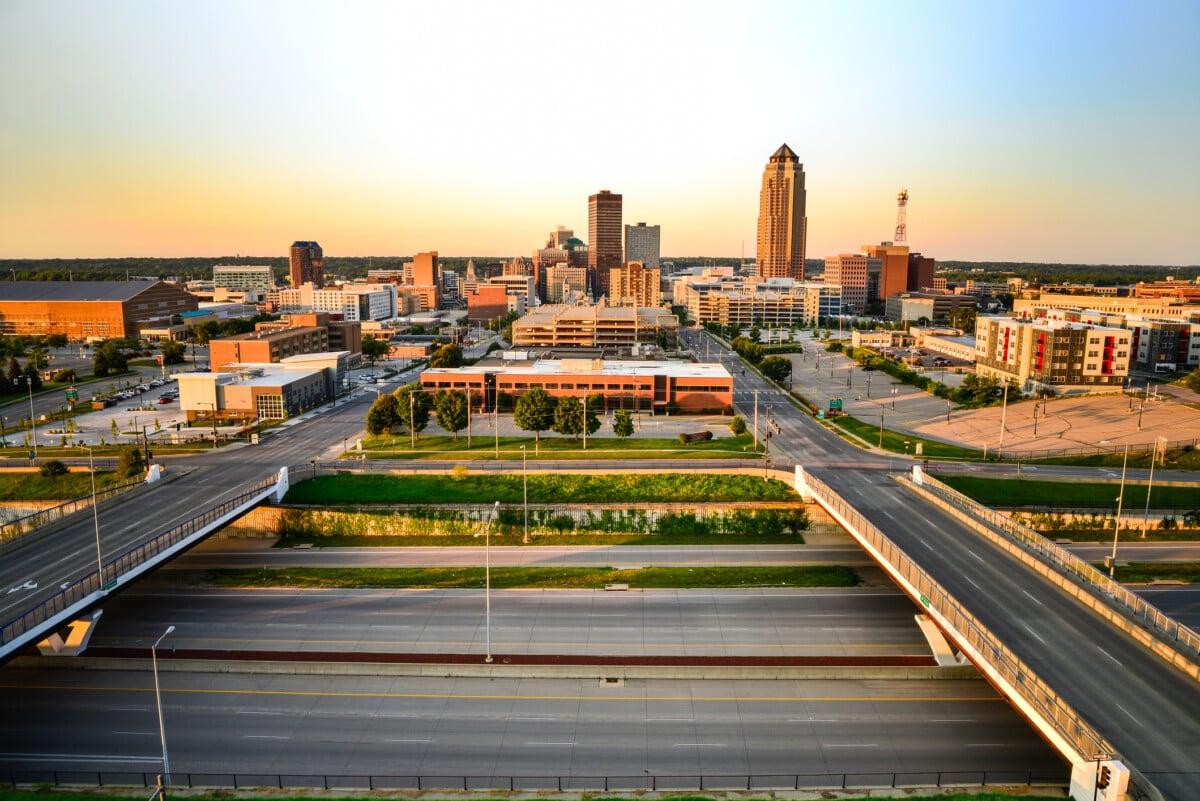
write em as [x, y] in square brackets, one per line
[552, 367]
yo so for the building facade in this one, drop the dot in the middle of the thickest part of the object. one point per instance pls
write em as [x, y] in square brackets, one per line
[242, 277]
[564, 283]
[306, 264]
[782, 224]
[642, 243]
[266, 346]
[911, 307]
[651, 386]
[89, 310]
[604, 238]
[634, 284]
[594, 327]
[1052, 354]
[849, 271]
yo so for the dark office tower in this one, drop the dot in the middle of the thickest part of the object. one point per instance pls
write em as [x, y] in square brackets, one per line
[782, 226]
[307, 264]
[604, 239]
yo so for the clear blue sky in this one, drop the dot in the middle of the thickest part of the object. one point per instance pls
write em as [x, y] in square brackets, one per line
[1030, 131]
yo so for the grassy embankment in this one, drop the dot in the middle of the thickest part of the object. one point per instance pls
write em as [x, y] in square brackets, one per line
[32, 486]
[484, 448]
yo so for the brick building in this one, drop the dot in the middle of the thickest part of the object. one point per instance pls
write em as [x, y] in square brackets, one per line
[89, 310]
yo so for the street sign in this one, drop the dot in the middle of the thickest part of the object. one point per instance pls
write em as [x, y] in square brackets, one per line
[835, 403]
[72, 394]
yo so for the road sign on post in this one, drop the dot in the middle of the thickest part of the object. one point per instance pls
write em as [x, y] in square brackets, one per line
[835, 403]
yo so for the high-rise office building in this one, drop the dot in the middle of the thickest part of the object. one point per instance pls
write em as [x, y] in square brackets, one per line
[307, 264]
[642, 244]
[604, 238]
[782, 224]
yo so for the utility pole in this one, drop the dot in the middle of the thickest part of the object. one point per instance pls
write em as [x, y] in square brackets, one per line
[1003, 415]
[1112, 562]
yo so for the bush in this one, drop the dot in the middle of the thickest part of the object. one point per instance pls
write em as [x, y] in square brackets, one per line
[737, 425]
[131, 464]
[53, 469]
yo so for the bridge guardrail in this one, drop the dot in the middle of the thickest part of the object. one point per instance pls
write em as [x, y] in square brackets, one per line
[21, 525]
[1184, 639]
[1033, 691]
[122, 564]
[577, 783]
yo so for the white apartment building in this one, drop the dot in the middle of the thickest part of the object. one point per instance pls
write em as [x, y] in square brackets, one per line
[1055, 354]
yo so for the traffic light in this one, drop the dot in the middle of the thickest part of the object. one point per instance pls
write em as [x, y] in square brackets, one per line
[1105, 777]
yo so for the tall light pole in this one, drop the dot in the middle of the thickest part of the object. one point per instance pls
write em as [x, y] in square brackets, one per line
[1003, 416]
[412, 419]
[525, 491]
[894, 398]
[95, 516]
[487, 578]
[32, 419]
[1112, 562]
[162, 732]
[1150, 488]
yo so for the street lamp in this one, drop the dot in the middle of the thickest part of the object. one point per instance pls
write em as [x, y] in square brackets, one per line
[1112, 562]
[32, 419]
[162, 733]
[525, 490]
[95, 516]
[1150, 487]
[894, 398]
[213, 408]
[487, 577]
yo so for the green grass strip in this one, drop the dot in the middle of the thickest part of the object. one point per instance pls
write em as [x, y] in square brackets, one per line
[484, 447]
[1145, 572]
[593, 578]
[894, 440]
[32, 486]
[1069, 494]
[558, 489]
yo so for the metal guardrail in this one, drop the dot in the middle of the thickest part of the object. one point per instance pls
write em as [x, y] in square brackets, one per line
[813, 781]
[117, 567]
[1033, 691]
[21, 525]
[1184, 639]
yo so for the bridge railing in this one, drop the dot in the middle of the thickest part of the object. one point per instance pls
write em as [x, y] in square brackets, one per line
[1182, 638]
[530, 783]
[21, 525]
[123, 564]
[1038, 695]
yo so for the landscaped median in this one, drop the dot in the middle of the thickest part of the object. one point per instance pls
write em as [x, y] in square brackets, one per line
[482, 447]
[451, 510]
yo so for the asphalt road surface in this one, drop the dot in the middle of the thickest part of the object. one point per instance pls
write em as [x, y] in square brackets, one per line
[750, 622]
[260, 724]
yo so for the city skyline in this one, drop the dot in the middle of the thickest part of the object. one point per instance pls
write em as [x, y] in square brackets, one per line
[142, 129]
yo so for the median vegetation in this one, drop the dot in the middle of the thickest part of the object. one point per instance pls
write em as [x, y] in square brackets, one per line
[582, 578]
[360, 490]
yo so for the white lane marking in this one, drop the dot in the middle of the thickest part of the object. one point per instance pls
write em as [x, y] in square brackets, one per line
[972, 583]
[533, 742]
[254, 712]
[29, 585]
[659, 720]
[1130, 714]
[811, 720]
[266, 736]
[409, 740]
[531, 718]
[1030, 597]
[852, 745]
[1110, 656]
[977, 556]
[1035, 636]
[700, 745]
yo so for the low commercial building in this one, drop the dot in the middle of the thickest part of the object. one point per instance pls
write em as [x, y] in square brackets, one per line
[724, 299]
[1154, 308]
[602, 326]
[90, 310]
[911, 307]
[258, 391]
[649, 386]
[267, 346]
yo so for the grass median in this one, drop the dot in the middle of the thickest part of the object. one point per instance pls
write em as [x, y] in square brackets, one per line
[355, 490]
[1010, 492]
[486, 448]
[576, 578]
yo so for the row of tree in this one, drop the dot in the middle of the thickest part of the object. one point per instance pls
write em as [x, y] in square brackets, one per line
[408, 410]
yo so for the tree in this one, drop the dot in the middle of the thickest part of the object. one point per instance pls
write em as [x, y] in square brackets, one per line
[776, 368]
[33, 377]
[53, 469]
[452, 411]
[373, 348]
[56, 341]
[172, 351]
[206, 331]
[108, 359]
[413, 407]
[568, 416]
[623, 424]
[535, 411]
[382, 416]
[130, 465]
[595, 401]
[447, 356]
[737, 425]
[1192, 381]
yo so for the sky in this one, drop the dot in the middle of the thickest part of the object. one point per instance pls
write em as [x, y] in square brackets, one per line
[1060, 131]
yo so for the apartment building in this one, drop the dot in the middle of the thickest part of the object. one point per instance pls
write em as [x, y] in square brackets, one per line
[1054, 354]
[634, 284]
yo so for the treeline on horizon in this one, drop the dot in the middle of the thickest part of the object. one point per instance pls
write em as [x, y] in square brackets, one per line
[350, 267]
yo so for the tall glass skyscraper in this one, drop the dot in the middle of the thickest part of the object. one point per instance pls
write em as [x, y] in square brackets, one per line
[782, 224]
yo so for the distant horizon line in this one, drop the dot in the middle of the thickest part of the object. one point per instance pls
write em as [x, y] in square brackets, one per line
[737, 259]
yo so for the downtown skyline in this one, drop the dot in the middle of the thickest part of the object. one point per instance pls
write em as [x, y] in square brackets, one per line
[1023, 133]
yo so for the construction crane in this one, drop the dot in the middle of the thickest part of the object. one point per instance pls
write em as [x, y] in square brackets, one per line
[901, 218]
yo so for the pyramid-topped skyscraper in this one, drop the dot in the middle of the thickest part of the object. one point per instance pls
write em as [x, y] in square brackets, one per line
[782, 224]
